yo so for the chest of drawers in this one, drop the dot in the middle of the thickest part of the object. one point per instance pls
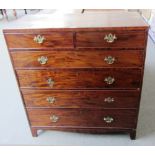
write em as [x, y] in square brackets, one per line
[83, 76]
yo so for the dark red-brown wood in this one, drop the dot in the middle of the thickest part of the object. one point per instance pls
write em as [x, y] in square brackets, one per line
[77, 59]
[75, 48]
[79, 79]
[82, 118]
[52, 40]
[81, 99]
[125, 39]
[94, 130]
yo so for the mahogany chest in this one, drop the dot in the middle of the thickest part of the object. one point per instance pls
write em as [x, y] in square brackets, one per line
[80, 73]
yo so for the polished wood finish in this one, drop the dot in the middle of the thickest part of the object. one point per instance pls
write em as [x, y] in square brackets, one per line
[82, 118]
[81, 99]
[75, 49]
[53, 39]
[77, 59]
[80, 79]
[125, 39]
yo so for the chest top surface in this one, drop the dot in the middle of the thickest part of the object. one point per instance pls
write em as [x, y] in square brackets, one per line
[87, 20]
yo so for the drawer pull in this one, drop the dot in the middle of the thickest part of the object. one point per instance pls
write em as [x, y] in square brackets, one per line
[42, 60]
[110, 38]
[109, 100]
[109, 80]
[50, 100]
[109, 60]
[39, 39]
[108, 119]
[54, 118]
[50, 82]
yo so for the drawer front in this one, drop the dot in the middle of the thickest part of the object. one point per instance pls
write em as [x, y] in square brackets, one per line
[81, 99]
[77, 59]
[111, 39]
[80, 79]
[82, 118]
[50, 40]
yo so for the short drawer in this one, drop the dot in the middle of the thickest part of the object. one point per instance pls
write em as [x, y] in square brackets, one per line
[80, 79]
[82, 118]
[111, 39]
[81, 98]
[39, 40]
[77, 59]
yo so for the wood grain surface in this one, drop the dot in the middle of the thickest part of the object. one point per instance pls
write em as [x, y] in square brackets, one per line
[77, 59]
[81, 99]
[80, 79]
[82, 117]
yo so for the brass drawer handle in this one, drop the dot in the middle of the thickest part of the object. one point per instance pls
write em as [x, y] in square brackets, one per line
[109, 60]
[109, 100]
[109, 80]
[39, 39]
[50, 82]
[42, 60]
[110, 38]
[54, 118]
[108, 119]
[51, 100]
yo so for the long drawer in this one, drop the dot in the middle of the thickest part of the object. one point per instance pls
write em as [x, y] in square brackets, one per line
[111, 39]
[82, 118]
[77, 59]
[40, 40]
[80, 79]
[81, 99]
